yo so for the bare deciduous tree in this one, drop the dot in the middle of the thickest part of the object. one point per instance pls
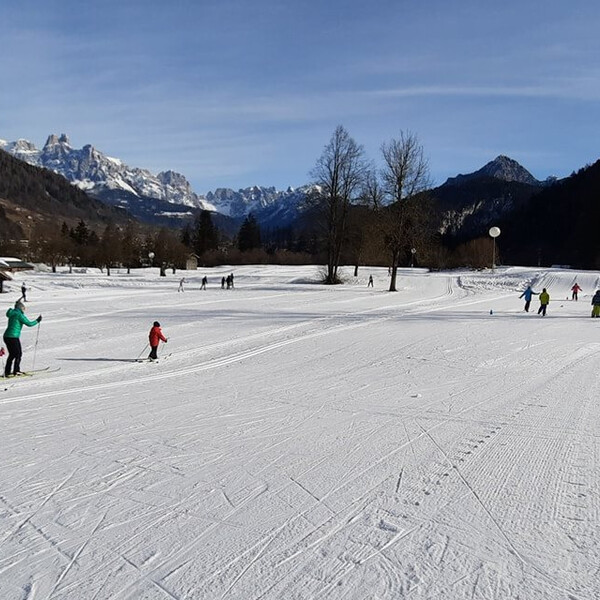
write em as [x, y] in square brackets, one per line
[404, 175]
[338, 175]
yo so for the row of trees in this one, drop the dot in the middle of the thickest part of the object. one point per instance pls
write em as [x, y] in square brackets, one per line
[397, 219]
[357, 213]
[129, 246]
[134, 246]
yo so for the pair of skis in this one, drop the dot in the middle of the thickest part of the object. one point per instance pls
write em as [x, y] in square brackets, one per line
[34, 372]
[152, 360]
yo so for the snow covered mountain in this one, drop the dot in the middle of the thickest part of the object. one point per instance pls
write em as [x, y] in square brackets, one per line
[148, 196]
[467, 202]
[105, 177]
[270, 206]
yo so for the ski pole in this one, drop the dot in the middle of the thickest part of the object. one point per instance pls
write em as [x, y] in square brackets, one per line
[142, 352]
[37, 337]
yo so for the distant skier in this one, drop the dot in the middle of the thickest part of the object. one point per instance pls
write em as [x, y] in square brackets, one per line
[370, 284]
[181, 282]
[23, 292]
[575, 289]
[544, 301]
[596, 305]
[155, 337]
[204, 282]
[528, 295]
[231, 279]
[16, 320]
[223, 282]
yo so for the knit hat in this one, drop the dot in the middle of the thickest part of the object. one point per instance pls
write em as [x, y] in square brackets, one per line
[19, 305]
[156, 324]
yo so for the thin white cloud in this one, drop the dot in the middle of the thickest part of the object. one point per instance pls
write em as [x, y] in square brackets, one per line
[585, 89]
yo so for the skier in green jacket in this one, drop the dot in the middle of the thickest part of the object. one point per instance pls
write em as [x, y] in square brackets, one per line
[16, 320]
[544, 301]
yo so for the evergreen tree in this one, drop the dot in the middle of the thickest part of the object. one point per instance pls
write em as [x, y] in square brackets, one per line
[249, 234]
[205, 236]
[186, 236]
[81, 234]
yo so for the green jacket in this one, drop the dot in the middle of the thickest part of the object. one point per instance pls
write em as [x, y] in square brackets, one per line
[16, 320]
[544, 298]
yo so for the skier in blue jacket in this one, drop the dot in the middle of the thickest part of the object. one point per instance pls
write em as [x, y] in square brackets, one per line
[528, 294]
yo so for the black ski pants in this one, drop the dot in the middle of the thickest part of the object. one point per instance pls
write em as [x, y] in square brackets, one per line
[542, 310]
[153, 350]
[15, 352]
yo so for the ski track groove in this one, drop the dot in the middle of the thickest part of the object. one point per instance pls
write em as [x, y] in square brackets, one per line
[55, 491]
[75, 557]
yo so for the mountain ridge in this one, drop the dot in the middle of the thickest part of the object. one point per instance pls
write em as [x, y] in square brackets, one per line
[502, 167]
[467, 200]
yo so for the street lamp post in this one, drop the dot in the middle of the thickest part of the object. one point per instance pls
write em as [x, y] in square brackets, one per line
[494, 233]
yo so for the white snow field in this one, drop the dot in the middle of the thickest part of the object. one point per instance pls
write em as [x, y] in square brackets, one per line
[298, 441]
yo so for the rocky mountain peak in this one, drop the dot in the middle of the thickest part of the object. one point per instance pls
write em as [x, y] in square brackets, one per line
[105, 177]
[23, 146]
[173, 178]
[502, 167]
[55, 140]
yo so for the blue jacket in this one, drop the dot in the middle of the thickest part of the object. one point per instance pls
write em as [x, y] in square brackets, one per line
[528, 294]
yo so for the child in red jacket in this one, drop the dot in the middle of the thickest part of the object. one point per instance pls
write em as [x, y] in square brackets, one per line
[155, 336]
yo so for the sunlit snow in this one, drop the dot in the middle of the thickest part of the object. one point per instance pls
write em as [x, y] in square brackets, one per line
[298, 441]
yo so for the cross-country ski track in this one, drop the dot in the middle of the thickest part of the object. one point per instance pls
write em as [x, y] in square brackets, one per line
[300, 441]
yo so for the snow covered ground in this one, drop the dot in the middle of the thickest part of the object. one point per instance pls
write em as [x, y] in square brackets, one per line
[297, 441]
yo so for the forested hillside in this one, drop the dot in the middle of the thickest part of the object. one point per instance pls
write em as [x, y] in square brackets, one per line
[28, 191]
[559, 225]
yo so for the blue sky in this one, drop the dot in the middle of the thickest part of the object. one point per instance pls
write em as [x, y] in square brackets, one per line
[236, 93]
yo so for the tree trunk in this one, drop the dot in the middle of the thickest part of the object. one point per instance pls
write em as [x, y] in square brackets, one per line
[394, 272]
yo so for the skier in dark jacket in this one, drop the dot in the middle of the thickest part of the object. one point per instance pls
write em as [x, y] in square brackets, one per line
[155, 336]
[596, 305]
[528, 294]
[16, 320]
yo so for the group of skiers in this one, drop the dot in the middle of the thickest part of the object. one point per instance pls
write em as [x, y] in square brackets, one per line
[16, 320]
[545, 299]
[224, 280]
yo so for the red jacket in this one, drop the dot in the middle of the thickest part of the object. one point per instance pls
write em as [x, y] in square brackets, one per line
[155, 336]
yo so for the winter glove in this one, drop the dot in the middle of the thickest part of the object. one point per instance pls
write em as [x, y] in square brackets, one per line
[166, 341]
[39, 319]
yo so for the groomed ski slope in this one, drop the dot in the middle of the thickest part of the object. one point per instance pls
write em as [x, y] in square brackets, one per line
[303, 441]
